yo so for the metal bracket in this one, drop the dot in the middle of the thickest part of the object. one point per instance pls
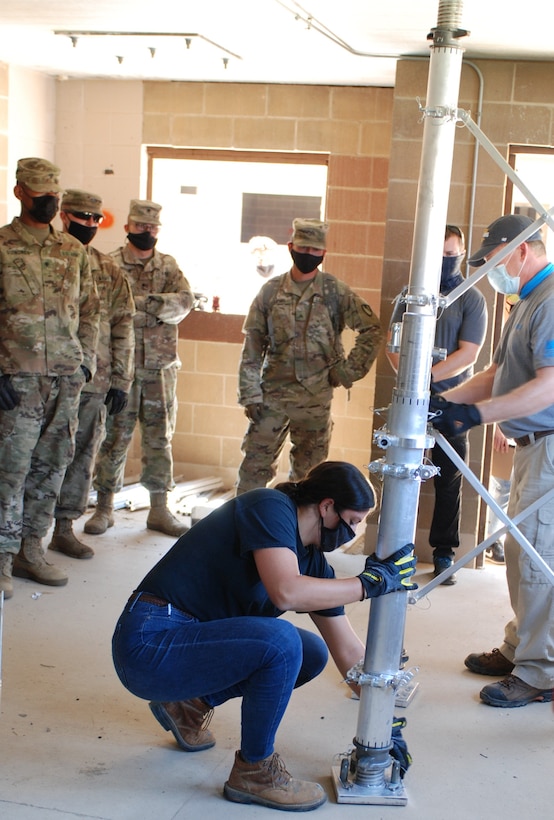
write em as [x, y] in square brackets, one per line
[380, 681]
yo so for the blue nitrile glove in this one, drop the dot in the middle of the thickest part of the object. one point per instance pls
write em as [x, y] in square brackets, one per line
[9, 397]
[399, 746]
[116, 401]
[451, 419]
[389, 575]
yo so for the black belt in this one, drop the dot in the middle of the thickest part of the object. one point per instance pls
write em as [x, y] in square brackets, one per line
[532, 437]
[147, 598]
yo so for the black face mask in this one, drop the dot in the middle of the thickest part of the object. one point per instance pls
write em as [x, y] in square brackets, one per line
[306, 262]
[84, 233]
[451, 275]
[44, 208]
[332, 539]
[143, 241]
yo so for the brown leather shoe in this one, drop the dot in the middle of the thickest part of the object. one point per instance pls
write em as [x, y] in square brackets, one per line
[512, 691]
[489, 663]
[188, 720]
[268, 783]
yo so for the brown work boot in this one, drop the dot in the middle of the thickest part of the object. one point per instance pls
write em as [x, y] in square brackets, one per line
[268, 783]
[489, 663]
[6, 584]
[64, 540]
[188, 720]
[512, 691]
[161, 519]
[31, 563]
[102, 518]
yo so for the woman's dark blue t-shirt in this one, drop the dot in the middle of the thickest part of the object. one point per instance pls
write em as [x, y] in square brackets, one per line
[211, 573]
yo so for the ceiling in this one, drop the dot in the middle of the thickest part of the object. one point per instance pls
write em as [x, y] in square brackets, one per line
[328, 42]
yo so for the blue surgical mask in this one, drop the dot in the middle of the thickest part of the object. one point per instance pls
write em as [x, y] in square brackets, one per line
[502, 282]
[333, 539]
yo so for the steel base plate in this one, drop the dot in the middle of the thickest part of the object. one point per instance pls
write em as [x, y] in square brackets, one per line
[388, 796]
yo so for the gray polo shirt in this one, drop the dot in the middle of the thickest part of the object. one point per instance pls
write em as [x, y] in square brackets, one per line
[527, 345]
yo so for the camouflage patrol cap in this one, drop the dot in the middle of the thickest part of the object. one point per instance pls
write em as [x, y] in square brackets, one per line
[311, 233]
[38, 175]
[142, 210]
[76, 200]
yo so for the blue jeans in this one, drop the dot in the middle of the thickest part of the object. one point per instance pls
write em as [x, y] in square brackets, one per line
[164, 654]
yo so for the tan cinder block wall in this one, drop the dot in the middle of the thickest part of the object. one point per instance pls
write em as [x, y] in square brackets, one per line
[351, 126]
[4, 96]
[518, 108]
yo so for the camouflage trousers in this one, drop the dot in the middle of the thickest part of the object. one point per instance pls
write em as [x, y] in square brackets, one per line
[306, 418]
[153, 403]
[73, 498]
[37, 442]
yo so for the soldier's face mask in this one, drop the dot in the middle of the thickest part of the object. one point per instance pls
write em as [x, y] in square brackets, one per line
[305, 262]
[44, 208]
[143, 241]
[84, 233]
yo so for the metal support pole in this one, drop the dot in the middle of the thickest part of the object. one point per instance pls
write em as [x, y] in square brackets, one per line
[406, 438]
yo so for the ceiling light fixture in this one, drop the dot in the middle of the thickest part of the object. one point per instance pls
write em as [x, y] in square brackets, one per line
[75, 35]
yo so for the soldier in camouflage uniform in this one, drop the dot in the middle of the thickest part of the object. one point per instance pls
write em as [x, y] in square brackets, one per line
[49, 320]
[81, 213]
[293, 357]
[162, 299]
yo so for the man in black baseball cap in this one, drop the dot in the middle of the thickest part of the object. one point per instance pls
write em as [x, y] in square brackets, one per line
[501, 231]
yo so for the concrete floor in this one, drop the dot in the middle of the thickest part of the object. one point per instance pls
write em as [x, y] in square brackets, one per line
[74, 743]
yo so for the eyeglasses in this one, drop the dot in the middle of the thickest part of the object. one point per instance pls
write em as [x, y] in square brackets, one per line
[145, 226]
[86, 215]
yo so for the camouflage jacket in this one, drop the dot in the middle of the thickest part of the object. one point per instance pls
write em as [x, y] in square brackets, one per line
[115, 352]
[48, 304]
[295, 339]
[162, 299]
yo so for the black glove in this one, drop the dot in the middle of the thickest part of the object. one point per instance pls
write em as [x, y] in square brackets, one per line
[254, 412]
[399, 746]
[452, 419]
[380, 577]
[116, 401]
[9, 397]
[86, 371]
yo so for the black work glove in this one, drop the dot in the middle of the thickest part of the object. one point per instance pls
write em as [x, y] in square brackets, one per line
[86, 371]
[9, 397]
[399, 746]
[116, 401]
[254, 412]
[394, 573]
[452, 419]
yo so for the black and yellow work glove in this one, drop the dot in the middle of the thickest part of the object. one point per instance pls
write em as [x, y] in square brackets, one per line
[399, 748]
[389, 575]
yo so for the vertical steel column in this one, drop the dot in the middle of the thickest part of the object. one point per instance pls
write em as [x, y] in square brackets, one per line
[405, 437]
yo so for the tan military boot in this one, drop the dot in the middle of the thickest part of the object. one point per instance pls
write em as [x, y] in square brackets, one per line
[160, 518]
[268, 783]
[64, 540]
[6, 584]
[102, 517]
[188, 720]
[31, 563]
